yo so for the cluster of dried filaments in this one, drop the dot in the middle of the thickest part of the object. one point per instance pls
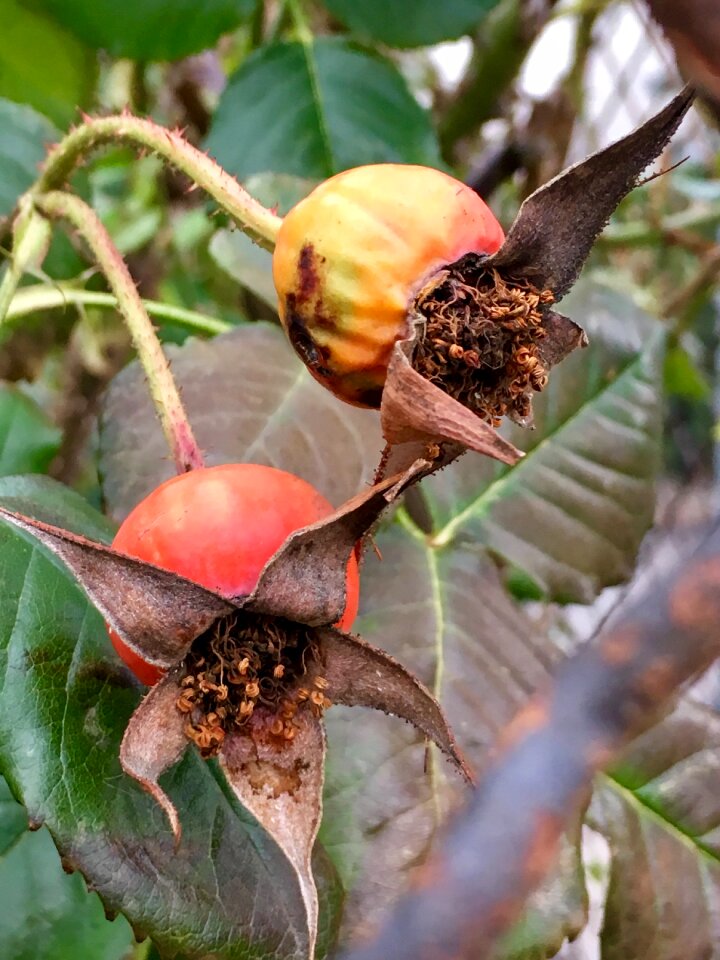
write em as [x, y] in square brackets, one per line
[243, 662]
[480, 339]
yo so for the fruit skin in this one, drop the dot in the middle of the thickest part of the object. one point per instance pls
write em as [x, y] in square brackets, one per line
[350, 257]
[219, 526]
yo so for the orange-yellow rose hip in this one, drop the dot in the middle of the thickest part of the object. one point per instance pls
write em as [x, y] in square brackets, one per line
[352, 255]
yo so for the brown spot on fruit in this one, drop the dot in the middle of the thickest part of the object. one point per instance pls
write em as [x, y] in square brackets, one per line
[312, 355]
[308, 277]
[369, 397]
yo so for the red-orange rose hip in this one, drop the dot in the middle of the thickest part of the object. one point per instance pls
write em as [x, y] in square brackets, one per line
[351, 257]
[219, 527]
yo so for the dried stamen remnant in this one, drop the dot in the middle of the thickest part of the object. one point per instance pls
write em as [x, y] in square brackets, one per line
[243, 662]
[479, 342]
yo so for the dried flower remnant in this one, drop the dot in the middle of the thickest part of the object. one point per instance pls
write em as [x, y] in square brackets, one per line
[248, 661]
[248, 679]
[481, 339]
[398, 291]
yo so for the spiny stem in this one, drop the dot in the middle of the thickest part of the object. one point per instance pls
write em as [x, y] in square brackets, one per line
[41, 296]
[252, 217]
[64, 206]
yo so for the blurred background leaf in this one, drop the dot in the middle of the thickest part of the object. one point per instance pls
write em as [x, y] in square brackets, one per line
[400, 23]
[48, 915]
[148, 29]
[660, 811]
[58, 79]
[312, 109]
[28, 440]
[249, 399]
[26, 135]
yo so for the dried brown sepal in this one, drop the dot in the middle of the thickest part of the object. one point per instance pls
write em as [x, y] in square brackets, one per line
[359, 674]
[562, 336]
[557, 225]
[281, 785]
[157, 613]
[155, 740]
[305, 579]
[414, 409]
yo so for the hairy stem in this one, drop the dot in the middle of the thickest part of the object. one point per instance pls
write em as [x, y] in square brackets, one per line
[252, 217]
[64, 206]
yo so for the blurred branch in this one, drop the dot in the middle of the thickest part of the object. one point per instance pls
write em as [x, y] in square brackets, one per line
[500, 48]
[497, 853]
[541, 147]
[497, 164]
[640, 233]
[693, 29]
[705, 278]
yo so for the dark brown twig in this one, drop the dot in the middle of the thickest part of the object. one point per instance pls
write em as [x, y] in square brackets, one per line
[501, 848]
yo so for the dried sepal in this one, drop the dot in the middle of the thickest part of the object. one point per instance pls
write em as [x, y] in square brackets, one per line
[157, 613]
[414, 409]
[562, 336]
[280, 783]
[154, 741]
[557, 225]
[305, 580]
[359, 674]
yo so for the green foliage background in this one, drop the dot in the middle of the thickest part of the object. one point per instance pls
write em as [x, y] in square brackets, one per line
[285, 93]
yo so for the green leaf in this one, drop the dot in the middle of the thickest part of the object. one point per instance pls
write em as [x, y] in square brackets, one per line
[13, 820]
[410, 23]
[149, 29]
[23, 144]
[444, 614]
[249, 399]
[66, 700]
[347, 107]
[43, 65]
[683, 377]
[573, 512]
[660, 811]
[47, 915]
[28, 441]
